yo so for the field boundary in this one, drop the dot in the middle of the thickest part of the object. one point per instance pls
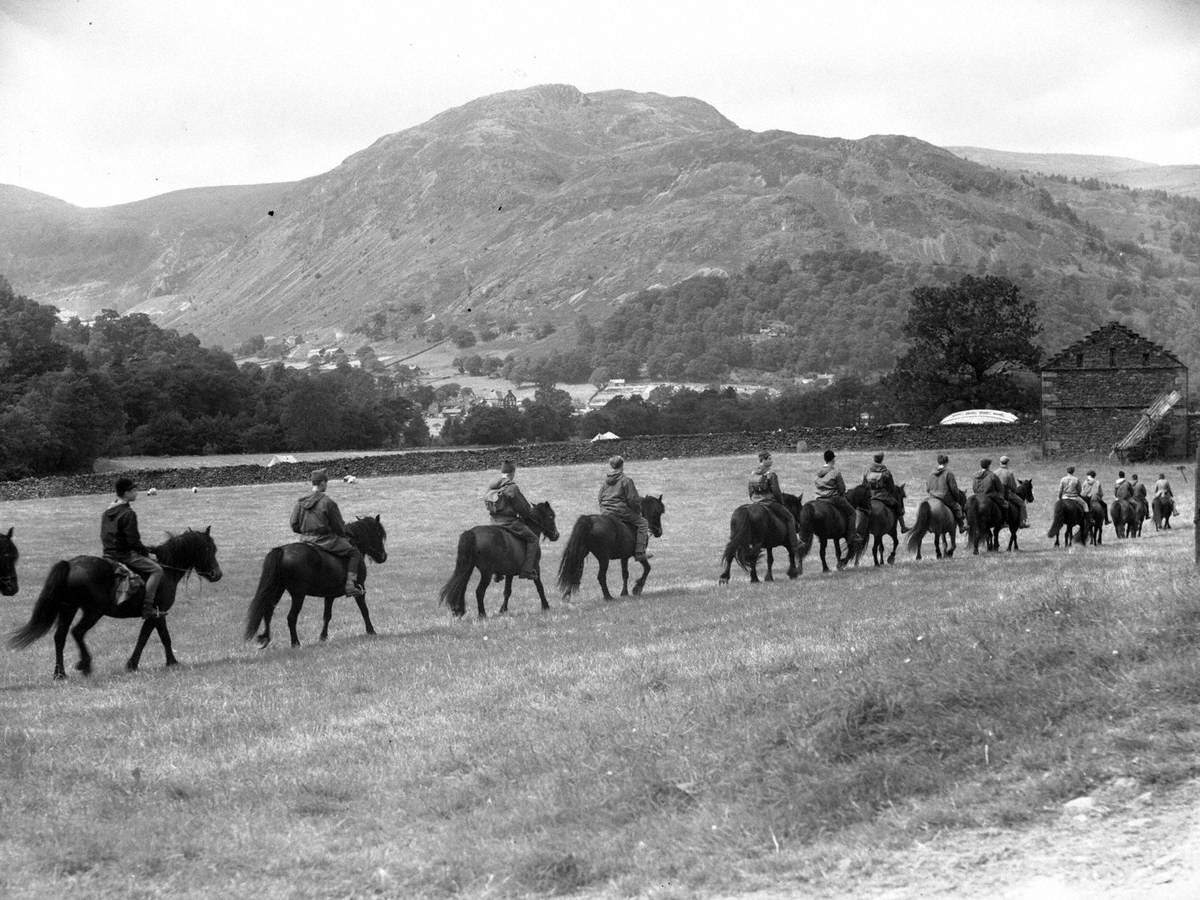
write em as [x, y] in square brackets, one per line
[424, 462]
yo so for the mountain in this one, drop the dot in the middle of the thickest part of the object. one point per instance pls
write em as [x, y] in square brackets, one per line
[1182, 180]
[539, 204]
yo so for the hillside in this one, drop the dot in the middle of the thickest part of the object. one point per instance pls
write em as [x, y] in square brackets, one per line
[536, 205]
[1134, 173]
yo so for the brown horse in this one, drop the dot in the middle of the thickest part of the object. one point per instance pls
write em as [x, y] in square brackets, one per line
[1072, 514]
[1125, 519]
[753, 528]
[1164, 508]
[934, 517]
[881, 519]
[823, 520]
[607, 538]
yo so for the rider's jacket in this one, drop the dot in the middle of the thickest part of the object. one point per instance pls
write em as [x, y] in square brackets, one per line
[1092, 489]
[619, 495]
[829, 482]
[1068, 488]
[879, 480]
[505, 500]
[764, 485]
[942, 485]
[119, 530]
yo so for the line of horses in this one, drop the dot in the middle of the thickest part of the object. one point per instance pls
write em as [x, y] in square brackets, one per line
[86, 585]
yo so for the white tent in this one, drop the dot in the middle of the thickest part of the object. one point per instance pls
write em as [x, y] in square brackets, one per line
[605, 436]
[979, 417]
[282, 458]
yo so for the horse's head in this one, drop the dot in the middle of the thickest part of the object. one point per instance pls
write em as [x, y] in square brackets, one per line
[653, 509]
[793, 503]
[543, 516]
[8, 564]
[192, 550]
[1025, 489]
[369, 536]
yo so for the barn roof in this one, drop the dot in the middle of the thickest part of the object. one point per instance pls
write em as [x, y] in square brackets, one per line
[1108, 335]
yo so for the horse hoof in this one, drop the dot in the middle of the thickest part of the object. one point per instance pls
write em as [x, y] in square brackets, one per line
[263, 643]
[171, 663]
[637, 592]
[83, 667]
[722, 580]
[323, 638]
[60, 676]
[131, 666]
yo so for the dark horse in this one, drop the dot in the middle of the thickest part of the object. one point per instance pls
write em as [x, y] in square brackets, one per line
[823, 520]
[1125, 518]
[1164, 508]
[302, 569]
[495, 552]
[1072, 514]
[881, 520]
[8, 564]
[89, 583]
[752, 529]
[1095, 522]
[606, 538]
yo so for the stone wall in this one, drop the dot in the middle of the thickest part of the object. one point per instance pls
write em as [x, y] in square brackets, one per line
[566, 453]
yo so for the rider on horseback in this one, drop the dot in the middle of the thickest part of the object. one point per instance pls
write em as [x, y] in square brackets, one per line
[619, 498]
[883, 488]
[764, 489]
[508, 508]
[831, 488]
[1139, 490]
[1093, 491]
[1009, 482]
[1122, 489]
[318, 521]
[1162, 488]
[942, 486]
[987, 487]
[122, 543]
[1069, 488]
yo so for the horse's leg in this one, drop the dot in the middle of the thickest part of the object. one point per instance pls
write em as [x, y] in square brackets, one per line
[89, 618]
[537, 583]
[264, 638]
[770, 562]
[953, 542]
[361, 600]
[65, 615]
[824, 563]
[641, 582]
[294, 615]
[508, 580]
[625, 576]
[891, 560]
[144, 633]
[485, 578]
[602, 575]
[160, 625]
[326, 616]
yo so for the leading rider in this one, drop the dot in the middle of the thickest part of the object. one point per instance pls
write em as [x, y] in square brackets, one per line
[619, 498]
[121, 542]
[318, 521]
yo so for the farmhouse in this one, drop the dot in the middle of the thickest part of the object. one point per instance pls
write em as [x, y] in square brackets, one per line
[1115, 390]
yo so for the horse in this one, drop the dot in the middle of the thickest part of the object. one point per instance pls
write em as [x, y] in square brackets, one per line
[1095, 523]
[1141, 514]
[822, 519]
[1164, 508]
[933, 516]
[89, 583]
[8, 564]
[984, 522]
[606, 538]
[881, 519]
[1024, 490]
[302, 569]
[754, 528]
[1072, 514]
[495, 552]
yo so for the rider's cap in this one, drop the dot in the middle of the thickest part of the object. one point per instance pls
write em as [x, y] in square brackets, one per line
[1004, 460]
[764, 455]
[1120, 473]
[943, 459]
[616, 462]
[508, 467]
[878, 457]
[1134, 476]
[829, 455]
[984, 463]
[1070, 470]
[124, 484]
[319, 476]
[1092, 473]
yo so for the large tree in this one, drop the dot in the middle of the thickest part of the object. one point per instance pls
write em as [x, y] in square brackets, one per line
[964, 341]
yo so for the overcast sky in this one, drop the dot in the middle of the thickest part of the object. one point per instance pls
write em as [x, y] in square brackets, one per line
[107, 101]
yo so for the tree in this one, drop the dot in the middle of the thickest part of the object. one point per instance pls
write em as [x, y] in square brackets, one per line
[547, 417]
[958, 335]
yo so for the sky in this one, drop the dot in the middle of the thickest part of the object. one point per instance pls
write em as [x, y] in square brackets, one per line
[109, 101]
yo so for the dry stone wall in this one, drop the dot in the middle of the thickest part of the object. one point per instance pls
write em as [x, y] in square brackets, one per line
[566, 453]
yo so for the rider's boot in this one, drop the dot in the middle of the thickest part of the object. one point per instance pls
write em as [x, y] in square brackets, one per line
[353, 588]
[529, 566]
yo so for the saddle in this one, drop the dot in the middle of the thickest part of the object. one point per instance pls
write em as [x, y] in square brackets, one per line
[128, 585]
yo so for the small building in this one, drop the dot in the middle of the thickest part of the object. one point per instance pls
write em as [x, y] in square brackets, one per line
[1115, 390]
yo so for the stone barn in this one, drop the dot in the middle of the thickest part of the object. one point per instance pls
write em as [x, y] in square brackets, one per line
[1115, 390]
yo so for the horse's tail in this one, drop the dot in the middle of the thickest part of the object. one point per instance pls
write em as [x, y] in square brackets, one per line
[741, 542]
[45, 609]
[921, 528]
[1057, 524]
[270, 589]
[974, 520]
[570, 567]
[454, 591]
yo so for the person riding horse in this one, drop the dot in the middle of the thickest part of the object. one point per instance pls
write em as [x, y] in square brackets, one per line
[764, 489]
[318, 521]
[1008, 480]
[1093, 491]
[987, 487]
[1162, 488]
[942, 486]
[509, 509]
[1122, 489]
[619, 498]
[1069, 488]
[1139, 490]
[831, 488]
[883, 488]
[122, 543]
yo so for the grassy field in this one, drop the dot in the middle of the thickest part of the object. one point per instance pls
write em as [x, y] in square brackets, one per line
[691, 741]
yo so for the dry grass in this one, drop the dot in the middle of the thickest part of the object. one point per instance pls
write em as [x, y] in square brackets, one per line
[693, 740]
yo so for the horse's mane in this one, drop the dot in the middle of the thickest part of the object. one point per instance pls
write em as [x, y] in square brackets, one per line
[187, 549]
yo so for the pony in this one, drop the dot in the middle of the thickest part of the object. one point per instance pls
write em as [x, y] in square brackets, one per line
[1024, 490]
[1164, 508]
[1125, 519]
[89, 583]
[495, 552]
[302, 569]
[606, 538]
[881, 519]
[934, 516]
[752, 529]
[1072, 514]
[8, 564]
[1095, 523]
[822, 519]
[1141, 514]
